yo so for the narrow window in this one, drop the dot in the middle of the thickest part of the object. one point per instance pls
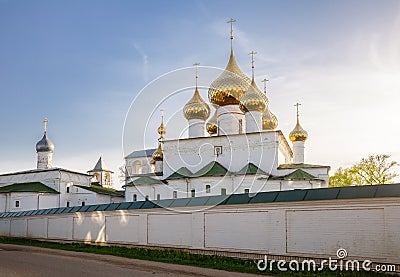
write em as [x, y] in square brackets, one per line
[134, 197]
[193, 193]
[147, 197]
[246, 190]
[67, 203]
[223, 191]
[158, 196]
[174, 194]
[17, 204]
[240, 126]
[67, 189]
[83, 203]
[208, 188]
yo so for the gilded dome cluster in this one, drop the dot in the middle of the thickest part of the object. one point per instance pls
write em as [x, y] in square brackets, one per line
[211, 125]
[269, 120]
[230, 86]
[298, 133]
[253, 99]
[158, 154]
[196, 108]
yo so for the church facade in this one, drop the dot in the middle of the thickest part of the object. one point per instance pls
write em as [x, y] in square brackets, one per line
[237, 148]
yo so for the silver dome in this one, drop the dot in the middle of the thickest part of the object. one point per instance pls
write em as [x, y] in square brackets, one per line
[45, 145]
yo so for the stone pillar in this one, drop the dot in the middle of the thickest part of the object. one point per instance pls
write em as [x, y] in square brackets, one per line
[159, 166]
[298, 152]
[231, 120]
[196, 128]
[253, 121]
[44, 160]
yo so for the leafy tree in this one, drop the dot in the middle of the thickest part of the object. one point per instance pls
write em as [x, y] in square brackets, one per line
[375, 169]
[122, 173]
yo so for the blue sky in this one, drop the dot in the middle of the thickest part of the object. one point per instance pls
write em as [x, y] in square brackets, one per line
[81, 63]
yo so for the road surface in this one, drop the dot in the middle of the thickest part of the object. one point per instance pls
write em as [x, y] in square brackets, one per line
[20, 261]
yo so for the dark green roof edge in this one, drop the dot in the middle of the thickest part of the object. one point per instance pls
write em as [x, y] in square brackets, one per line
[212, 169]
[299, 174]
[27, 187]
[144, 180]
[366, 192]
[182, 172]
[250, 168]
[101, 190]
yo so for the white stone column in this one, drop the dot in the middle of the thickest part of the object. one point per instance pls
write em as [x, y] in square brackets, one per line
[159, 166]
[298, 152]
[196, 128]
[231, 120]
[253, 121]
[44, 160]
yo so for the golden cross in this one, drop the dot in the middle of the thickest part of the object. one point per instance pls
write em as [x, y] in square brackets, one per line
[297, 108]
[197, 75]
[265, 84]
[45, 124]
[162, 115]
[252, 53]
[231, 22]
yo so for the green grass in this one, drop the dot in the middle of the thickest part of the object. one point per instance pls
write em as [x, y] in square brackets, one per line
[178, 257]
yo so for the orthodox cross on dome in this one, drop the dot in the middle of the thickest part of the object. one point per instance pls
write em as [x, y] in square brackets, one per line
[45, 120]
[297, 109]
[252, 53]
[197, 72]
[265, 84]
[230, 21]
[161, 130]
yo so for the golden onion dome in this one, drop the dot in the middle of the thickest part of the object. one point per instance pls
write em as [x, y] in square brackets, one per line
[158, 154]
[196, 108]
[269, 120]
[211, 125]
[298, 133]
[162, 130]
[230, 86]
[253, 99]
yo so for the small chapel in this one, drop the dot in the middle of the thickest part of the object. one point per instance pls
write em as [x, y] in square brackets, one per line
[54, 187]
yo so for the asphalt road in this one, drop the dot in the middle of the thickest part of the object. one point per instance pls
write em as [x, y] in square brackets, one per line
[29, 261]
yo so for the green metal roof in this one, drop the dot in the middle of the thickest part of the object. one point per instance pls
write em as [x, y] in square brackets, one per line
[295, 166]
[250, 168]
[182, 172]
[145, 180]
[212, 169]
[27, 187]
[326, 194]
[102, 190]
[299, 174]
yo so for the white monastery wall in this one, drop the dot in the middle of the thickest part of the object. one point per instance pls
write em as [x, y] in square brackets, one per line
[366, 228]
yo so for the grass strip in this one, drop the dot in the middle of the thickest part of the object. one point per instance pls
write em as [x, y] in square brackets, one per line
[180, 257]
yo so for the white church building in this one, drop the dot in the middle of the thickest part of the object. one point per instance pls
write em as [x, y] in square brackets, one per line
[242, 151]
[50, 187]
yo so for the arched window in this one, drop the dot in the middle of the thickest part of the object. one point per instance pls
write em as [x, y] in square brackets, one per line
[208, 188]
[137, 167]
[193, 193]
[134, 197]
[174, 194]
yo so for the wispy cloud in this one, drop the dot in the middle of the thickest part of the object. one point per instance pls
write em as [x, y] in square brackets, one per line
[144, 59]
